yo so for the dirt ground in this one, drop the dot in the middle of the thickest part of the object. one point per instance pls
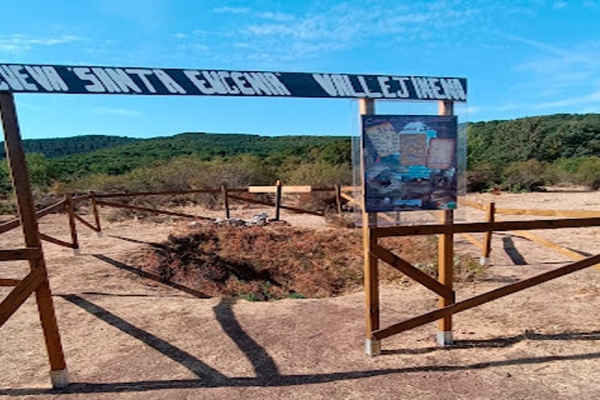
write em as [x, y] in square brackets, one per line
[126, 336]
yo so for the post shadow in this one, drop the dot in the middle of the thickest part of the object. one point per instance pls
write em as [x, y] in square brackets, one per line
[176, 354]
[261, 361]
[512, 251]
[148, 275]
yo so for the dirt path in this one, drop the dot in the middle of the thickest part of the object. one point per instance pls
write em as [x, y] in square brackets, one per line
[129, 337]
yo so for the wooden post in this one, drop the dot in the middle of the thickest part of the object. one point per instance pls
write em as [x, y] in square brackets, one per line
[445, 256]
[20, 180]
[371, 273]
[278, 200]
[338, 199]
[72, 225]
[225, 201]
[96, 213]
[487, 238]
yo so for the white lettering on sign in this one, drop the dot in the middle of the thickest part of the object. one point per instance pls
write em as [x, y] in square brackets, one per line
[403, 89]
[23, 78]
[122, 80]
[85, 74]
[239, 79]
[258, 83]
[11, 81]
[169, 83]
[142, 75]
[47, 77]
[235, 83]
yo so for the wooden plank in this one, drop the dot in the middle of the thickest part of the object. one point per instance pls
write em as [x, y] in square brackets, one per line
[485, 297]
[338, 199]
[9, 282]
[57, 242]
[20, 254]
[19, 294]
[163, 193]
[72, 225]
[96, 212]
[371, 267]
[550, 245]
[549, 213]
[411, 271]
[225, 201]
[84, 222]
[472, 239]
[500, 226]
[284, 189]
[350, 188]
[50, 209]
[278, 201]
[27, 215]
[446, 254]
[486, 250]
[9, 225]
[14, 223]
[472, 204]
[149, 210]
[350, 199]
[265, 203]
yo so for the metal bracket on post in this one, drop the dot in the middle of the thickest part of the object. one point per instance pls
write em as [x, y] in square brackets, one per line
[373, 347]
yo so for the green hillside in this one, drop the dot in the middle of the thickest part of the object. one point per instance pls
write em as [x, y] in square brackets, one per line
[61, 147]
[141, 153]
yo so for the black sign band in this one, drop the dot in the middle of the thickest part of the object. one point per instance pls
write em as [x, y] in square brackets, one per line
[20, 78]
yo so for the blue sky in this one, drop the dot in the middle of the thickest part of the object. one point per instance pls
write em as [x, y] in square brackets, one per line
[521, 58]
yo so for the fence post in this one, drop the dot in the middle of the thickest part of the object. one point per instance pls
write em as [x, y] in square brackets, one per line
[446, 256]
[72, 225]
[225, 201]
[338, 198]
[278, 200]
[371, 270]
[96, 213]
[22, 188]
[487, 238]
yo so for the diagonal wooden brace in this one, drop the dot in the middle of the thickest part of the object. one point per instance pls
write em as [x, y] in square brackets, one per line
[409, 270]
[19, 294]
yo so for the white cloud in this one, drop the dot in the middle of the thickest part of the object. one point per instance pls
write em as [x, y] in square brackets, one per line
[232, 10]
[18, 43]
[559, 5]
[119, 112]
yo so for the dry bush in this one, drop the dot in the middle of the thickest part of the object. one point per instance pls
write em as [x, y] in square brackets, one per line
[273, 262]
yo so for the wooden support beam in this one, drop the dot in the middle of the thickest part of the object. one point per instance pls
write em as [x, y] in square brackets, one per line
[19, 294]
[149, 210]
[284, 189]
[472, 239]
[96, 212]
[446, 255]
[338, 199]
[472, 204]
[371, 268]
[549, 213]
[502, 226]
[27, 215]
[486, 250]
[265, 203]
[4, 282]
[411, 271]
[20, 254]
[277, 201]
[84, 222]
[225, 201]
[57, 242]
[70, 207]
[485, 298]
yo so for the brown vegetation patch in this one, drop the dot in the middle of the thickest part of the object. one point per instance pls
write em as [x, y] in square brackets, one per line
[275, 261]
